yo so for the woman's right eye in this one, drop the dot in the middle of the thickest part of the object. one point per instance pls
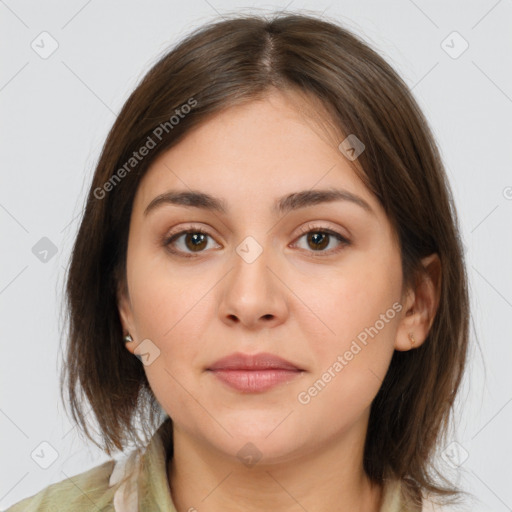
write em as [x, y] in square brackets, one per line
[193, 240]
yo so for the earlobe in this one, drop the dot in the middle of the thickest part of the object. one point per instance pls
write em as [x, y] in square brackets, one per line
[128, 341]
[126, 317]
[410, 333]
[421, 306]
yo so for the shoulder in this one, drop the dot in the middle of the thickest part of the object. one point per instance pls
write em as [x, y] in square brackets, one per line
[135, 478]
[92, 490]
[396, 499]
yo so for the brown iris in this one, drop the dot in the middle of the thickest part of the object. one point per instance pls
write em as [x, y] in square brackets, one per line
[314, 237]
[198, 241]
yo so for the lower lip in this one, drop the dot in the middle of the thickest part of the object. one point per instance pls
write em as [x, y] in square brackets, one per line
[255, 381]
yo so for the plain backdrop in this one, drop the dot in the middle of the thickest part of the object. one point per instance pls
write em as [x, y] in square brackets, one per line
[67, 68]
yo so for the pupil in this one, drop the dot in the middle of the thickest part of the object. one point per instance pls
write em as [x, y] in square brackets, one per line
[196, 237]
[314, 237]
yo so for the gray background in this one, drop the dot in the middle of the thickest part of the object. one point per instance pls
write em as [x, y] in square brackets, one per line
[56, 112]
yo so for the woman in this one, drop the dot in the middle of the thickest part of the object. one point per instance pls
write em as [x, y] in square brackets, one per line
[271, 233]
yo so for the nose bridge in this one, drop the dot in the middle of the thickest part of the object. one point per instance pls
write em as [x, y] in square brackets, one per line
[252, 292]
[251, 276]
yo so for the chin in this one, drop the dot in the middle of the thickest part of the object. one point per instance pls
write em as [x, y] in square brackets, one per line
[262, 445]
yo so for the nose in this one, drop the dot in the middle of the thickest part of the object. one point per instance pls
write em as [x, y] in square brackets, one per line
[253, 294]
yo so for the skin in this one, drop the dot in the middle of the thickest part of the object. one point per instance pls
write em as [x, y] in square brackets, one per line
[302, 304]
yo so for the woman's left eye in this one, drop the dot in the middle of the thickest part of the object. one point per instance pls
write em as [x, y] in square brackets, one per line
[319, 238]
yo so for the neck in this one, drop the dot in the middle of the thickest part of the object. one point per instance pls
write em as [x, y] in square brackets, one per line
[330, 477]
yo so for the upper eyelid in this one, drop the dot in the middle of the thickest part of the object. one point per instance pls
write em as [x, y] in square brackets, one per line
[302, 230]
[312, 227]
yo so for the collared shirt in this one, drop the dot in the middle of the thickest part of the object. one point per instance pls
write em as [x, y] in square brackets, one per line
[138, 482]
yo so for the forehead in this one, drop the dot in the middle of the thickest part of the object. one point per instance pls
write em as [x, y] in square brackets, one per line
[259, 150]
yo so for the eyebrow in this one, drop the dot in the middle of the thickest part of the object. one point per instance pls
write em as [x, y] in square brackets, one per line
[285, 204]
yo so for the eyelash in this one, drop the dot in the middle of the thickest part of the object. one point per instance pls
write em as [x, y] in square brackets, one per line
[168, 240]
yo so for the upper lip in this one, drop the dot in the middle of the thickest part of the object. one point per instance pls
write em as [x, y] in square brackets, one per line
[261, 361]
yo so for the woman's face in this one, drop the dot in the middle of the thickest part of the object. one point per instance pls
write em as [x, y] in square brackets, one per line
[258, 282]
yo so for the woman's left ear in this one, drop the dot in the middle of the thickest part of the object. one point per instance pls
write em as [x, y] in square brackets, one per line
[420, 306]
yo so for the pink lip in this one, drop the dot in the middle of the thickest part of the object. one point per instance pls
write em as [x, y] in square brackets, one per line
[253, 373]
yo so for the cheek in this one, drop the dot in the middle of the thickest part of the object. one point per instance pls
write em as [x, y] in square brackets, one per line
[347, 302]
[171, 309]
[164, 297]
[358, 314]
[171, 312]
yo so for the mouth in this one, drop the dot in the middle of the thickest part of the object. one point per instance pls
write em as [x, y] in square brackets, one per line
[254, 373]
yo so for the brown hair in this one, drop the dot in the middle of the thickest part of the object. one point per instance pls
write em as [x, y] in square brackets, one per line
[234, 61]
